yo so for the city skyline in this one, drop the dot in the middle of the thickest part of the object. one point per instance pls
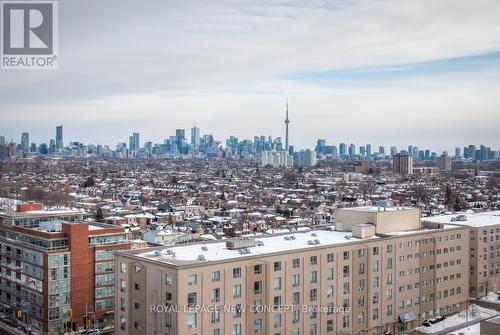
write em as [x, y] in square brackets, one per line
[135, 141]
[378, 73]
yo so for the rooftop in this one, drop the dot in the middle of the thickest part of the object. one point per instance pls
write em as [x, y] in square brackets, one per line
[482, 219]
[264, 245]
[373, 209]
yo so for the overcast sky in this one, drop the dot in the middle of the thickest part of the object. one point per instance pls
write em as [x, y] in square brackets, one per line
[422, 72]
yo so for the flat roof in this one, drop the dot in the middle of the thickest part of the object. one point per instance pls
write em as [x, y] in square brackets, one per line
[270, 244]
[373, 209]
[477, 220]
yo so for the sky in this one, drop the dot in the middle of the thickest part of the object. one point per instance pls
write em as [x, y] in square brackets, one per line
[385, 72]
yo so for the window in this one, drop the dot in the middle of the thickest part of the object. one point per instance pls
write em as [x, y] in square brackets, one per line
[375, 251]
[168, 279]
[329, 257]
[236, 272]
[277, 284]
[237, 291]
[346, 255]
[314, 277]
[329, 274]
[192, 280]
[314, 260]
[313, 294]
[296, 263]
[215, 294]
[329, 325]
[191, 299]
[216, 276]
[168, 298]
[296, 280]
[277, 266]
[295, 298]
[257, 269]
[277, 321]
[215, 316]
[237, 329]
[345, 321]
[346, 271]
[257, 326]
[277, 300]
[329, 291]
[191, 320]
[236, 311]
[257, 287]
[346, 288]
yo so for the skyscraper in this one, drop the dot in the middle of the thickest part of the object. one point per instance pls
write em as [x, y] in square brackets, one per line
[287, 121]
[25, 142]
[59, 138]
[195, 137]
[402, 164]
[134, 142]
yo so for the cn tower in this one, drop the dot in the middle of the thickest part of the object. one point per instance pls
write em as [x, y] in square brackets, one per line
[287, 121]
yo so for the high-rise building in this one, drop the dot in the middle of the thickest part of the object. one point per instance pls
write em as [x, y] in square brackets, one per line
[443, 162]
[307, 158]
[59, 138]
[381, 151]
[394, 151]
[2, 140]
[342, 150]
[134, 142]
[366, 285]
[484, 258]
[180, 133]
[57, 270]
[195, 137]
[402, 164]
[368, 149]
[320, 146]
[352, 150]
[25, 142]
[287, 122]
[457, 152]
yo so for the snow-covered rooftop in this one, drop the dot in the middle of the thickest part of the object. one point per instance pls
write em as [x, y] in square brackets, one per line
[481, 219]
[270, 244]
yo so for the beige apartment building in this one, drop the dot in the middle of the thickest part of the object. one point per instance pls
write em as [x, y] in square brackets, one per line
[314, 282]
[484, 248]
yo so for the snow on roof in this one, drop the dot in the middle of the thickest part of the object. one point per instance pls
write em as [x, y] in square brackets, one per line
[481, 219]
[275, 243]
[457, 319]
[376, 209]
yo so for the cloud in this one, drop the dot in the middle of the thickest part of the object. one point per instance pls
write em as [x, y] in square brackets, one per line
[176, 62]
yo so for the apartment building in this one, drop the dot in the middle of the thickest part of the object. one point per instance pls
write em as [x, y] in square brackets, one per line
[57, 271]
[310, 282]
[484, 248]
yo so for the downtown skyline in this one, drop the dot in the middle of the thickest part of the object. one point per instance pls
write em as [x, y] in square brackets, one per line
[188, 140]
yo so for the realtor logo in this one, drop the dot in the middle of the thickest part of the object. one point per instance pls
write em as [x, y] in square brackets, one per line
[29, 34]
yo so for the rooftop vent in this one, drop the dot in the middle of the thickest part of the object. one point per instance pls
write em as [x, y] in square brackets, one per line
[157, 252]
[292, 237]
[287, 238]
[316, 241]
[240, 243]
[259, 243]
[201, 258]
[244, 251]
[314, 234]
[204, 248]
[347, 237]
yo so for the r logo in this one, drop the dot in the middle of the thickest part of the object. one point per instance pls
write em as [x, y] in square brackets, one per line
[28, 28]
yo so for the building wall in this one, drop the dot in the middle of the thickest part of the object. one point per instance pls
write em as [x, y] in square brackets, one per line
[393, 276]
